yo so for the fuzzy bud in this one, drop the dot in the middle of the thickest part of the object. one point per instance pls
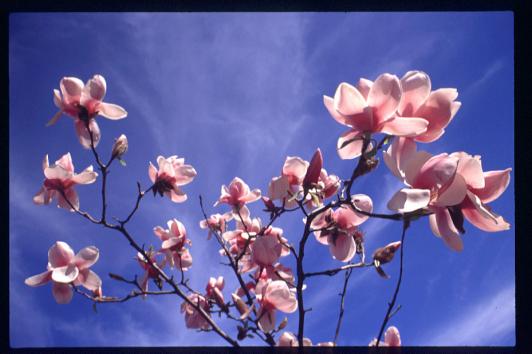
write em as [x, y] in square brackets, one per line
[385, 254]
[240, 304]
[120, 146]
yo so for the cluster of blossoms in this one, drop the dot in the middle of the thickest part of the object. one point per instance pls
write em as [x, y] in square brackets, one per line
[447, 188]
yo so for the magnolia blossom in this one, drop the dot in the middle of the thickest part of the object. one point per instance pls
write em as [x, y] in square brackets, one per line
[370, 108]
[268, 247]
[215, 222]
[84, 103]
[290, 183]
[193, 318]
[65, 269]
[174, 240]
[288, 339]
[451, 187]
[391, 338]
[339, 228]
[273, 295]
[237, 194]
[60, 181]
[436, 107]
[214, 290]
[171, 175]
[149, 270]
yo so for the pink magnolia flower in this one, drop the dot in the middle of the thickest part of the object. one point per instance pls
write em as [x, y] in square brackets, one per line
[391, 338]
[149, 270]
[214, 290]
[370, 108]
[339, 228]
[60, 181]
[174, 240]
[436, 107]
[273, 295]
[288, 339]
[65, 269]
[193, 318]
[268, 247]
[171, 175]
[290, 183]
[84, 103]
[237, 194]
[216, 222]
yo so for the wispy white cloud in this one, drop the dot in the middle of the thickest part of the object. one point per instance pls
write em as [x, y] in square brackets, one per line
[490, 71]
[488, 321]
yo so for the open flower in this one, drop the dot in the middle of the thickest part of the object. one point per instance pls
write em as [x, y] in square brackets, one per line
[60, 181]
[215, 222]
[171, 175]
[290, 183]
[65, 269]
[149, 270]
[370, 108]
[174, 240]
[84, 103]
[214, 290]
[391, 338]
[193, 318]
[274, 295]
[237, 194]
[339, 228]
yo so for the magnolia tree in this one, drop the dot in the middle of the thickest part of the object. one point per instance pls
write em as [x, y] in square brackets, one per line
[388, 114]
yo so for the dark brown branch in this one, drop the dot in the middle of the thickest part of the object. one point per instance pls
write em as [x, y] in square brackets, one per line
[406, 224]
[342, 304]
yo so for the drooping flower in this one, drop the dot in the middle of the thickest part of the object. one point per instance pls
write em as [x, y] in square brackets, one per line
[391, 338]
[60, 181]
[65, 269]
[193, 318]
[84, 103]
[171, 175]
[370, 108]
[339, 228]
[273, 295]
[174, 239]
[237, 194]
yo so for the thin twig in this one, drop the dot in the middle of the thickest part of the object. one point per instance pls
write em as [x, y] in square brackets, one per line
[342, 305]
[331, 272]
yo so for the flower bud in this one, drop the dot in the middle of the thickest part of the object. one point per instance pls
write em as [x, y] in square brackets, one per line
[314, 170]
[120, 146]
[283, 324]
[240, 304]
[270, 207]
[385, 254]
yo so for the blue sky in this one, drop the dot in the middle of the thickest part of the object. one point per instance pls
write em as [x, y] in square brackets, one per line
[235, 94]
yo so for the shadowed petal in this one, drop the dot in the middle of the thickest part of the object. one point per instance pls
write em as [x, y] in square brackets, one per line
[407, 200]
[60, 254]
[39, 279]
[496, 183]
[111, 111]
[86, 257]
[442, 225]
[62, 293]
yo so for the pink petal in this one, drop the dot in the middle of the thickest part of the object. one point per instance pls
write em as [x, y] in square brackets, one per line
[343, 248]
[111, 111]
[296, 167]
[364, 86]
[278, 188]
[169, 243]
[482, 217]
[399, 152]
[252, 196]
[72, 197]
[364, 203]
[384, 97]
[183, 260]
[57, 100]
[57, 172]
[184, 174]
[176, 195]
[60, 254]
[86, 257]
[65, 274]
[266, 250]
[267, 320]
[442, 225]
[350, 149]
[65, 162]
[278, 294]
[43, 196]
[88, 176]
[471, 169]
[453, 194]
[39, 279]
[329, 104]
[496, 183]
[71, 88]
[392, 337]
[407, 200]
[438, 111]
[62, 293]
[160, 233]
[89, 279]
[416, 89]
[348, 101]
[408, 127]
[96, 87]
[413, 165]
[152, 172]
[436, 172]
[84, 135]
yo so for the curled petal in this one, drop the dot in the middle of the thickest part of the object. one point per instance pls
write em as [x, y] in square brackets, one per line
[60, 254]
[496, 183]
[111, 111]
[442, 225]
[407, 200]
[184, 174]
[86, 257]
[364, 203]
[482, 217]
[39, 279]
[62, 293]
[470, 167]
[65, 274]
[152, 172]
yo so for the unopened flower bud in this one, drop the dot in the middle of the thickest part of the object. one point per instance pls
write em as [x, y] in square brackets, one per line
[240, 304]
[314, 170]
[219, 298]
[242, 333]
[120, 146]
[283, 324]
[385, 254]
[270, 207]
